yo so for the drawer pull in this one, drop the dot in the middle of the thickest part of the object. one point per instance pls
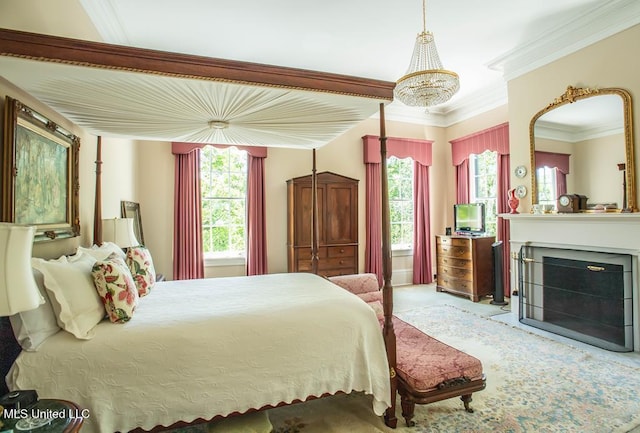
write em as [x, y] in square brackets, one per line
[342, 250]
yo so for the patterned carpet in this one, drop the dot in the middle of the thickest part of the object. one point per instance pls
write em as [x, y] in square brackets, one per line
[534, 384]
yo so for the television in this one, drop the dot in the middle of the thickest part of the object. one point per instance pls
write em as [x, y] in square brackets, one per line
[468, 219]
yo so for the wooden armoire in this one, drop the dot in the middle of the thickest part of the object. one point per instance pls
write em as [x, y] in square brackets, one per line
[337, 224]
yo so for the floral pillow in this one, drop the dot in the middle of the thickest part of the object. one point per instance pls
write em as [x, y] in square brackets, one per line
[116, 288]
[141, 267]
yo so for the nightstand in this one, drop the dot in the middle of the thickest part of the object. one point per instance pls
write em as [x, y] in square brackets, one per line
[56, 416]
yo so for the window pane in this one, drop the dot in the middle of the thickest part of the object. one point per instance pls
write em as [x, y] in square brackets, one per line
[400, 176]
[483, 171]
[223, 176]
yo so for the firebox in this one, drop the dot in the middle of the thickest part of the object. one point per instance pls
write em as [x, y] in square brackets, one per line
[579, 294]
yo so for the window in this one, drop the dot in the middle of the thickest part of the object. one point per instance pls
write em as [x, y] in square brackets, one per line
[223, 180]
[546, 185]
[483, 177]
[400, 178]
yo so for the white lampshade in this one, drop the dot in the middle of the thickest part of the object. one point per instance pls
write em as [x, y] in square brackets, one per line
[18, 289]
[120, 232]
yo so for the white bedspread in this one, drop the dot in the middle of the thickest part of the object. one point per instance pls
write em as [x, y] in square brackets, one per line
[200, 348]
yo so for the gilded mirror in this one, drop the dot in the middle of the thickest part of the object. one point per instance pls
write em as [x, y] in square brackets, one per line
[586, 136]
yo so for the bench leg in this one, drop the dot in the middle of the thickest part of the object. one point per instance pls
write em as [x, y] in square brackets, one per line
[408, 409]
[466, 399]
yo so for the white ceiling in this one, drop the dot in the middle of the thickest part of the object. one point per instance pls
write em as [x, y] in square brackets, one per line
[482, 41]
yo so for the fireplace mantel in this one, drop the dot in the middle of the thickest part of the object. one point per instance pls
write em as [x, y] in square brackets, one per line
[598, 231]
[601, 232]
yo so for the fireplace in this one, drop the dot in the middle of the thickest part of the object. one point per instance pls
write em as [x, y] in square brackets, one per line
[580, 294]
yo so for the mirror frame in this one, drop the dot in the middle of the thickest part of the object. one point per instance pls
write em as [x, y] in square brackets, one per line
[571, 95]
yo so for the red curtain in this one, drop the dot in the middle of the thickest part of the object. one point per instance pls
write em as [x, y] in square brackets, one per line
[503, 229]
[462, 181]
[188, 260]
[421, 152]
[422, 271]
[256, 218]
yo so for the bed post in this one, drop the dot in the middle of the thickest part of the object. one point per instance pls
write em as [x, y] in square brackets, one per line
[315, 230]
[97, 210]
[387, 289]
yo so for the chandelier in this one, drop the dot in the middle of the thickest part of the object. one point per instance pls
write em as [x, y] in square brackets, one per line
[426, 83]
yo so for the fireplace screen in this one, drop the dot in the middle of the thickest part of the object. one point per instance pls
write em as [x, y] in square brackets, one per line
[583, 295]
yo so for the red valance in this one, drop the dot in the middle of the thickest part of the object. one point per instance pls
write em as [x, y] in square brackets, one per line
[495, 139]
[255, 151]
[418, 150]
[553, 159]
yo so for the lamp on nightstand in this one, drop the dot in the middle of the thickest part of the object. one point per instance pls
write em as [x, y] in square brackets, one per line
[18, 293]
[120, 232]
[18, 289]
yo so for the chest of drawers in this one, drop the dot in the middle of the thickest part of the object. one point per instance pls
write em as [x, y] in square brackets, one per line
[465, 265]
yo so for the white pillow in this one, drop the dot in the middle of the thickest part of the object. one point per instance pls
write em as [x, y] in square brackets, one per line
[73, 295]
[33, 327]
[101, 252]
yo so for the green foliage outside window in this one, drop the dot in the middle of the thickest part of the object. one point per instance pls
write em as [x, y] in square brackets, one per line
[223, 182]
[484, 178]
[400, 178]
[546, 185]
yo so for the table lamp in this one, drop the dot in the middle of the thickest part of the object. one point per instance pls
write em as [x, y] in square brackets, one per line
[120, 232]
[18, 292]
[18, 289]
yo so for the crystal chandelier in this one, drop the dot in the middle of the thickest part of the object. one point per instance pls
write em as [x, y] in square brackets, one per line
[426, 83]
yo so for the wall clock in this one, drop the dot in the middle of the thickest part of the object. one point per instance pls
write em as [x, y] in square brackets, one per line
[521, 171]
[521, 191]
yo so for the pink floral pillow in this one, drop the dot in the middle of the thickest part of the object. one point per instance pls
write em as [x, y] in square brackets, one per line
[116, 288]
[141, 267]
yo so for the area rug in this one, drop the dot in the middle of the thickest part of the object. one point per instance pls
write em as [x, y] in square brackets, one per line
[534, 384]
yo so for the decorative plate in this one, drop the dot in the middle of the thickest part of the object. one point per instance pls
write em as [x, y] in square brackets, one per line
[521, 171]
[521, 191]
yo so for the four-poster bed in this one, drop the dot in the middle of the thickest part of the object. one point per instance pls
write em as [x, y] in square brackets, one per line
[339, 102]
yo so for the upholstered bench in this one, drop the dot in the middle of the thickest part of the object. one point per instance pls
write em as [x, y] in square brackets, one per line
[428, 370]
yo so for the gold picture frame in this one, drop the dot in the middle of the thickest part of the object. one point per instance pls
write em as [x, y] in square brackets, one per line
[40, 182]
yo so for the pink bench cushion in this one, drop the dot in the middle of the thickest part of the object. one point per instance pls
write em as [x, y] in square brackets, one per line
[424, 362]
[364, 285]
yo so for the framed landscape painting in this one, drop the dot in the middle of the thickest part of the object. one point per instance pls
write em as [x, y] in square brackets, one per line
[40, 182]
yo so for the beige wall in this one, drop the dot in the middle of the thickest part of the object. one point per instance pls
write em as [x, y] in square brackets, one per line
[608, 63]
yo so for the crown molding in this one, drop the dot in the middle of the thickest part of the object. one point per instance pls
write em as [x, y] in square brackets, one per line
[575, 134]
[599, 23]
[488, 98]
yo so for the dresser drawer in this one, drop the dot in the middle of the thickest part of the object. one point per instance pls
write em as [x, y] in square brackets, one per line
[455, 284]
[458, 242]
[459, 273]
[454, 262]
[454, 251]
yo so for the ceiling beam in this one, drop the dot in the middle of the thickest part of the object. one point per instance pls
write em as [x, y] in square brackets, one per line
[97, 54]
